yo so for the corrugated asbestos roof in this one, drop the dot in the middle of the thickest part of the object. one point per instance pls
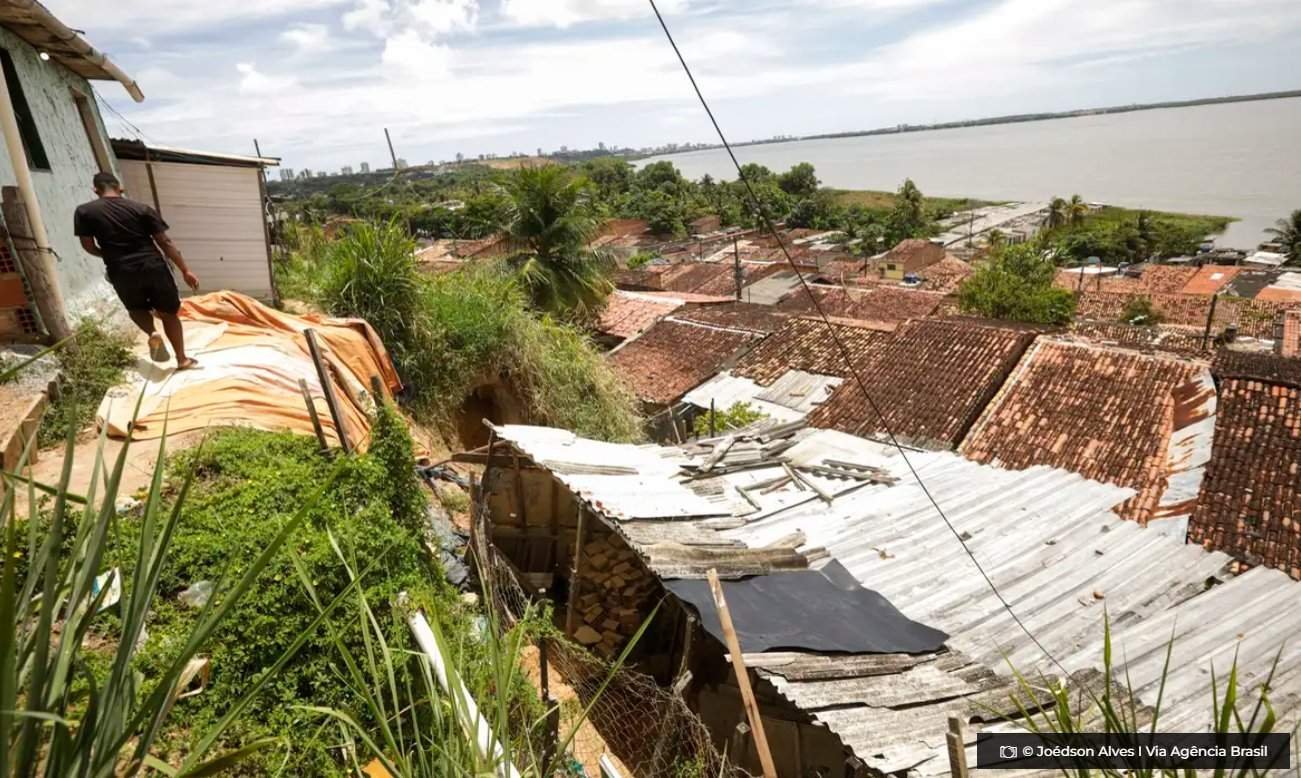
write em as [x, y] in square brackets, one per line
[1049, 540]
[789, 398]
[1108, 414]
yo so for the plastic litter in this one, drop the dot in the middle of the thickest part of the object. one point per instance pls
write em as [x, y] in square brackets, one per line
[197, 594]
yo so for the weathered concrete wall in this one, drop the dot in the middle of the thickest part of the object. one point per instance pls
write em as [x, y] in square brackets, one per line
[48, 88]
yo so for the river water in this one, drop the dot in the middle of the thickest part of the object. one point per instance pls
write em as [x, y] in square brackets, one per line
[1232, 159]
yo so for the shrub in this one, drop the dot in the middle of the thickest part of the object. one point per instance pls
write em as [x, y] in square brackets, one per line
[738, 415]
[90, 366]
[247, 484]
[1139, 310]
[1017, 284]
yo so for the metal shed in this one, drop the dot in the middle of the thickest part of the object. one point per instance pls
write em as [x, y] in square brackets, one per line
[214, 204]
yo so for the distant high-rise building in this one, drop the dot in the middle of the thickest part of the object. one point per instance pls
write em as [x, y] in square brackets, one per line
[347, 170]
[601, 145]
[307, 173]
[460, 157]
[540, 154]
[365, 167]
[321, 174]
[286, 174]
[402, 163]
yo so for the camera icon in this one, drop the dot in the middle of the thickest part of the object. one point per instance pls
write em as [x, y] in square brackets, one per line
[1007, 752]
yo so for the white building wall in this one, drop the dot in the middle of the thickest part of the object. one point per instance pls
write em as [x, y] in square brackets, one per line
[48, 88]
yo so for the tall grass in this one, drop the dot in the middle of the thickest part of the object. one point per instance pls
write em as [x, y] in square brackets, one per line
[60, 715]
[88, 370]
[452, 333]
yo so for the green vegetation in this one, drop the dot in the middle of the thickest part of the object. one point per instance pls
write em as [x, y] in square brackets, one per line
[552, 220]
[1288, 232]
[1120, 235]
[91, 365]
[1116, 710]
[1139, 310]
[451, 333]
[1016, 284]
[739, 415]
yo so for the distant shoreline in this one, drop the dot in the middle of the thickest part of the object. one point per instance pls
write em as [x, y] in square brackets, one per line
[992, 120]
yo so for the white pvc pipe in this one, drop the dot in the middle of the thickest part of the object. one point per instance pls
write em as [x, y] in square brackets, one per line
[463, 704]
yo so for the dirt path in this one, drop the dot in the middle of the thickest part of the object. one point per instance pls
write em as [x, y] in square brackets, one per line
[588, 744]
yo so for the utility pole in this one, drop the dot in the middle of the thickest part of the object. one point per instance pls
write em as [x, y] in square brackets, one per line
[736, 267]
[1210, 319]
[392, 155]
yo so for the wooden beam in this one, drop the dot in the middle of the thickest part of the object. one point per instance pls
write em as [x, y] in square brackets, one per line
[327, 388]
[520, 508]
[742, 676]
[575, 585]
[311, 413]
[957, 749]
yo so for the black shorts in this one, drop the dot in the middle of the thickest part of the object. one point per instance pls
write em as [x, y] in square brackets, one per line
[146, 288]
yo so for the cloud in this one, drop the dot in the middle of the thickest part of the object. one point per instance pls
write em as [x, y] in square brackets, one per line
[564, 13]
[443, 16]
[308, 38]
[254, 82]
[432, 18]
[407, 55]
[140, 17]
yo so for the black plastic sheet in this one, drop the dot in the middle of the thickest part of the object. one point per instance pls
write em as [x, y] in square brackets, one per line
[824, 610]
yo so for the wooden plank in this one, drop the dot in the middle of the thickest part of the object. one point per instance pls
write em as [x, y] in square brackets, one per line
[327, 387]
[311, 413]
[575, 586]
[742, 677]
[957, 749]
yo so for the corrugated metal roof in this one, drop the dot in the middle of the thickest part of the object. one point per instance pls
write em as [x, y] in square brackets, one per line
[1048, 538]
[789, 398]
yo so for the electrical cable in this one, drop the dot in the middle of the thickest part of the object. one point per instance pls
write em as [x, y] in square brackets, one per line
[840, 345]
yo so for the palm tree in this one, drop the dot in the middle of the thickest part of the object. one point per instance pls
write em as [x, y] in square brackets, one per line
[1077, 209]
[552, 220]
[1057, 214]
[1288, 232]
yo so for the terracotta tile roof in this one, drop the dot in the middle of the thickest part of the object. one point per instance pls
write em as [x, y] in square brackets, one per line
[946, 275]
[1254, 318]
[930, 379]
[725, 283]
[913, 255]
[842, 271]
[1106, 414]
[1210, 279]
[806, 344]
[879, 303]
[1167, 279]
[691, 276]
[1269, 368]
[673, 357]
[1291, 346]
[750, 317]
[648, 278]
[1170, 339]
[1250, 500]
[628, 314]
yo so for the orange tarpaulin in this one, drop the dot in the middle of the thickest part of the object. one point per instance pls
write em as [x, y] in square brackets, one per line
[251, 358]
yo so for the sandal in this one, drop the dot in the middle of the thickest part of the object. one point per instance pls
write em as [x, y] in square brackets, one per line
[189, 364]
[158, 348]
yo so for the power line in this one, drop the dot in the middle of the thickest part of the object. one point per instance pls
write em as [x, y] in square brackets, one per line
[840, 345]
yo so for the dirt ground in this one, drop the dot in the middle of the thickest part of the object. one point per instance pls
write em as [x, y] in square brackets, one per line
[588, 744]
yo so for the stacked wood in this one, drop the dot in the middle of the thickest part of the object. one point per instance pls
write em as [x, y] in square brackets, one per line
[614, 592]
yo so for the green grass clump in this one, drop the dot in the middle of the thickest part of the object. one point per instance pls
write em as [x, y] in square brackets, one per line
[247, 485]
[451, 333]
[91, 365]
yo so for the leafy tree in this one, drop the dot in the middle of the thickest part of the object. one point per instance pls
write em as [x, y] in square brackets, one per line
[756, 173]
[908, 217]
[552, 221]
[1288, 232]
[799, 181]
[661, 176]
[483, 215]
[664, 213]
[1139, 310]
[613, 177]
[818, 211]
[736, 416]
[1017, 284]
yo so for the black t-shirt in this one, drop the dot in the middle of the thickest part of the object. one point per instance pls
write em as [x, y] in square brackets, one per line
[124, 230]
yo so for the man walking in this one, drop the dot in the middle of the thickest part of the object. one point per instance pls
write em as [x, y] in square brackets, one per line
[129, 235]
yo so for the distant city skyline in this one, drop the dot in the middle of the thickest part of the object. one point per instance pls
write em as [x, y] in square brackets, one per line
[316, 81]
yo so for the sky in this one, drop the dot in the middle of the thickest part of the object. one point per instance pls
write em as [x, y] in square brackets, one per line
[317, 81]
